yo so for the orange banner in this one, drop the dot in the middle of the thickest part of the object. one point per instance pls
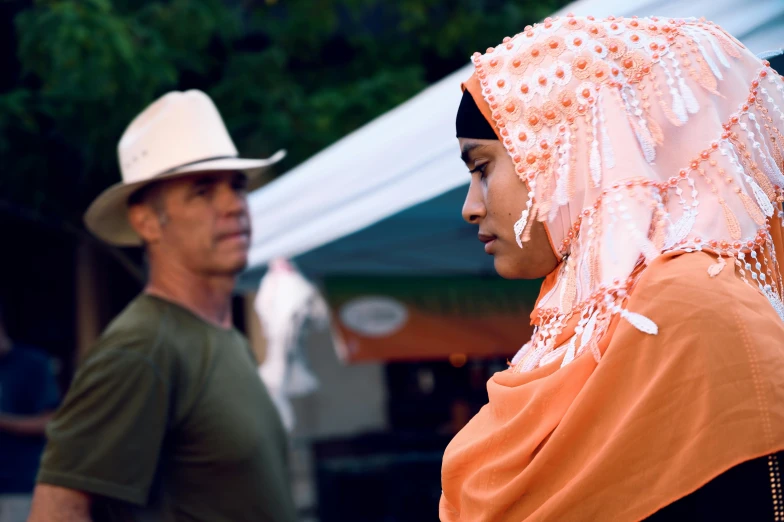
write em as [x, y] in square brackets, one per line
[397, 319]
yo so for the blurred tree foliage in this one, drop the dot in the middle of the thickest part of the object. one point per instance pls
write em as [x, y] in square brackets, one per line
[296, 74]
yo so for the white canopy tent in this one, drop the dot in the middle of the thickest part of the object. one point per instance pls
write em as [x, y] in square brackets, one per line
[404, 157]
[386, 198]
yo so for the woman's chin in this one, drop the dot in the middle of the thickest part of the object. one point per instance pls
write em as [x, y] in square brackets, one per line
[518, 269]
[507, 269]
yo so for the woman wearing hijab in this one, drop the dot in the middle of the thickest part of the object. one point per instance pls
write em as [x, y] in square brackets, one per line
[635, 164]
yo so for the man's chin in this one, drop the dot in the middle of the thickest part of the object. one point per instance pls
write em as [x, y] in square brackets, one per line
[232, 267]
[239, 266]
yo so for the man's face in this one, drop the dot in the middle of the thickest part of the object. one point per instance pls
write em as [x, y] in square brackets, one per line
[202, 222]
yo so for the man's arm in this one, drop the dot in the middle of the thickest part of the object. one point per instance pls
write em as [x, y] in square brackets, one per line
[29, 425]
[56, 504]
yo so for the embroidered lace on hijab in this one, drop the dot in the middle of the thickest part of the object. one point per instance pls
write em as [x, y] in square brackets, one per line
[645, 136]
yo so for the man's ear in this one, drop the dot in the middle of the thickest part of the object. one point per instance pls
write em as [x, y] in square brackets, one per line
[146, 222]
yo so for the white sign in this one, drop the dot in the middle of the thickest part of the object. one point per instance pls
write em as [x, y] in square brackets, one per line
[374, 316]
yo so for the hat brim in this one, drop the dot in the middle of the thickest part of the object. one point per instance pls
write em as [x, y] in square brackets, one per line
[107, 216]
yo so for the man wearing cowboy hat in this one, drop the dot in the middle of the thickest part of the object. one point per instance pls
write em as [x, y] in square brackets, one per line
[167, 418]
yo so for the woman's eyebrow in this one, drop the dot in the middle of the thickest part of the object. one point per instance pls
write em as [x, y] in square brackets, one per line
[465, 153]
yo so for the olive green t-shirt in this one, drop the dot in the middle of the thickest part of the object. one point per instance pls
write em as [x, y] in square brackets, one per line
[168, 420]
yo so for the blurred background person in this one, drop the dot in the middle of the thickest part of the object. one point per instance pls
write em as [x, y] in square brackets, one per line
[167, 418]
[28, 397]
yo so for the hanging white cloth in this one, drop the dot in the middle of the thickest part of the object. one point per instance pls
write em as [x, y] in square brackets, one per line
[287, 304]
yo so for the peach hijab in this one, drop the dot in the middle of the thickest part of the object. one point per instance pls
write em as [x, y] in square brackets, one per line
[652, 150]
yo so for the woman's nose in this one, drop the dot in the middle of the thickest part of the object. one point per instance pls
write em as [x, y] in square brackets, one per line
[474, 207]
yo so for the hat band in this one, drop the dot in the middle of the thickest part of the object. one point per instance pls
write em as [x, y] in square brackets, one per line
[190, 164]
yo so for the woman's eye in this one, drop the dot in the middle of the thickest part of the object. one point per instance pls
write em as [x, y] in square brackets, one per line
[480, 169]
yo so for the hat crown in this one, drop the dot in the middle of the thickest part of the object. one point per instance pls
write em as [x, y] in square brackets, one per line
[178, 129]
[179, 134]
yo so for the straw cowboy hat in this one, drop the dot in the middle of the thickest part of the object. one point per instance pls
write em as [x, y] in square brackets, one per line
[181, 133]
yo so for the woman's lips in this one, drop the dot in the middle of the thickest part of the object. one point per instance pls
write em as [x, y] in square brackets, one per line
[488, 240]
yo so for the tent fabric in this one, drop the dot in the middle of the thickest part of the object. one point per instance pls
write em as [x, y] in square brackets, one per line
[405, 157]
[429, 238]
[386, 199]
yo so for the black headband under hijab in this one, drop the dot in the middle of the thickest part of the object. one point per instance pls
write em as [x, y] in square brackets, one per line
[471, 123]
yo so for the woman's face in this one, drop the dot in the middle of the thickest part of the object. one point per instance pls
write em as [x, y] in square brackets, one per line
[495, 201]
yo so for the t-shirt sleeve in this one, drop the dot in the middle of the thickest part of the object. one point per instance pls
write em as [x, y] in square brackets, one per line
[107, 436]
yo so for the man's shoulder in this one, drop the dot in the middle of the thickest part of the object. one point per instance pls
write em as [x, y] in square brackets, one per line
[152, 329]
[139, 330]
[141, 320]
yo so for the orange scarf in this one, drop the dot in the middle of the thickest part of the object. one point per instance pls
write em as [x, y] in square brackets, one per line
[657, 418]
[660, 415]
